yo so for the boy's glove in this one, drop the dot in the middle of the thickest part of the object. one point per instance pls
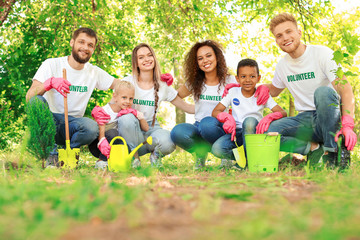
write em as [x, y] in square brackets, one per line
[167, 78]
[100, 116]
[347, 123]
[264, 124]
[127, 111]
[104, 147]
[227, 88]
[262, 94]
[229, 125]
[59, 84]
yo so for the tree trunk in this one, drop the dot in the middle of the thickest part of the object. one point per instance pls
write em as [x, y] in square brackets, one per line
[180, 114]
[5, 6]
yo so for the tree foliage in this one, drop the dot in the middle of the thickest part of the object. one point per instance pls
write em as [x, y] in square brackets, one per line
[35, 30]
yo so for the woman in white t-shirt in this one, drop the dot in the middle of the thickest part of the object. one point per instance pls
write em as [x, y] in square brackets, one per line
[150, 89]
[206, 76]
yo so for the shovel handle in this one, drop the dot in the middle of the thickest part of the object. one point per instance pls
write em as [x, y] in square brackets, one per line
[67, 135]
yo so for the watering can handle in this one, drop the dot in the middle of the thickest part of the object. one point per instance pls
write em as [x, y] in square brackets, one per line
[117, 137]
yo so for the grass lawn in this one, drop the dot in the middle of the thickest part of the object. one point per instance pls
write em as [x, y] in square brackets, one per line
[176, 202]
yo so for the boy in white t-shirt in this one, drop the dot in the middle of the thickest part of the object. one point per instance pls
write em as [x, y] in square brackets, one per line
[107, 117]
[247, 116]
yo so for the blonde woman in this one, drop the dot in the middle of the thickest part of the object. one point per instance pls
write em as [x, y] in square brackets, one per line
[150, 91]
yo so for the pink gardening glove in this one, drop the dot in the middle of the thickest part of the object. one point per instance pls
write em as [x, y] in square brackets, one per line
[227, 88]
[104, 147]
[264, 124]
[60, 84]
[262, 94]
[100, 116]
[229, 125]
[347, 123]
[127, 111]
[167, 78]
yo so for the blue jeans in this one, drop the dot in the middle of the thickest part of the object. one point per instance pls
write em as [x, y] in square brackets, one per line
[83, 131]
[223, 146]
[298, 132]
[188, 137]
[129, 129]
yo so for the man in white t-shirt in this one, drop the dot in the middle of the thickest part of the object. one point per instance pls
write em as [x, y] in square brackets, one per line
[308, 72]
[82, 78]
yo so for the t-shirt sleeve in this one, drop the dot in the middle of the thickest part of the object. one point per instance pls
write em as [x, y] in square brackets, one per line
[277, 82]
[270, 103]
[328, 65]
[44, 72]
[171, 93]
[104, 80]
[226, 101]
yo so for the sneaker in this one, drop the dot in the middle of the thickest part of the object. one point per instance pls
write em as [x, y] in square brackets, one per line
[135, 163]
[226, 164]
[315, 157]
[52, 161]
[330, 159]
[155, 159]
[344, 156]
[237, 167]
[102, 165]
[199, 163]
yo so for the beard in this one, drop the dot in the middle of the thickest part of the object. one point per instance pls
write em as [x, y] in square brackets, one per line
[78, 58]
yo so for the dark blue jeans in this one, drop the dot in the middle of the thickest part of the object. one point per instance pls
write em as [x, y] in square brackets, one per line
[83, 131]
[188, 137]
[298, 132]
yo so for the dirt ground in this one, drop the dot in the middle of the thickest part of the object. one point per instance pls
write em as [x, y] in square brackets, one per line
[177, 217]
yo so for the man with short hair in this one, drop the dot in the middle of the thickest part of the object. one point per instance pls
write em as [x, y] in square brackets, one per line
[82, 78]
[308, 72]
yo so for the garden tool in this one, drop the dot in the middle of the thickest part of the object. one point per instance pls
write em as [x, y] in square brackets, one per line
[68, 157]
[239, 154]
[120, 159]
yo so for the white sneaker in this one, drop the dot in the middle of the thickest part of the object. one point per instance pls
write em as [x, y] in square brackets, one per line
[135, 163]
[101, 165]
[155, 159]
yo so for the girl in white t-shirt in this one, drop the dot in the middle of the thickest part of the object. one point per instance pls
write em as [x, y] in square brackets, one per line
[107, 117]
[150, 89]
[206, 75]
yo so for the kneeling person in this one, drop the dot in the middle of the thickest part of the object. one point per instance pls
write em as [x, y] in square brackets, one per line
[246, 114]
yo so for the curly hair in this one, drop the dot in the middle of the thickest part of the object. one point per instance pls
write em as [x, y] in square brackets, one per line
[194, 76]
[156, 73]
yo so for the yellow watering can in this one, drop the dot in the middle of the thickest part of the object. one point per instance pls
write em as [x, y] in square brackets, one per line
[120, 159]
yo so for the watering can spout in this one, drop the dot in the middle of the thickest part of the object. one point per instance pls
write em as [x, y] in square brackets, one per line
[148, 140]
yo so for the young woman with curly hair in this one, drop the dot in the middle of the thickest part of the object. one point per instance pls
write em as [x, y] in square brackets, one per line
[149, 92]
[206, 75]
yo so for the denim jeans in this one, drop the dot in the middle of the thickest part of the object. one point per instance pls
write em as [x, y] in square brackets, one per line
[298, 132]
[222, 148]
[129, 129]
[83, 131]
[188, 137]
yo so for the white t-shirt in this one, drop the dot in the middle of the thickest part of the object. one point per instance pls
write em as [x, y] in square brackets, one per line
[209, 98]
[113, 115]
[303, 75]
[144, 100]
[82, 82]
[243, 107]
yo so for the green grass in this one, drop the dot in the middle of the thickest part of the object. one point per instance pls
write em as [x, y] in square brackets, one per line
[290, 204]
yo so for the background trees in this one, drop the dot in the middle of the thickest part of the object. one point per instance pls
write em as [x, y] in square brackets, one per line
[33, 30]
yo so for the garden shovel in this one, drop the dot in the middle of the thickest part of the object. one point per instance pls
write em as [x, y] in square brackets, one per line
[239, 154]
[68, 157]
